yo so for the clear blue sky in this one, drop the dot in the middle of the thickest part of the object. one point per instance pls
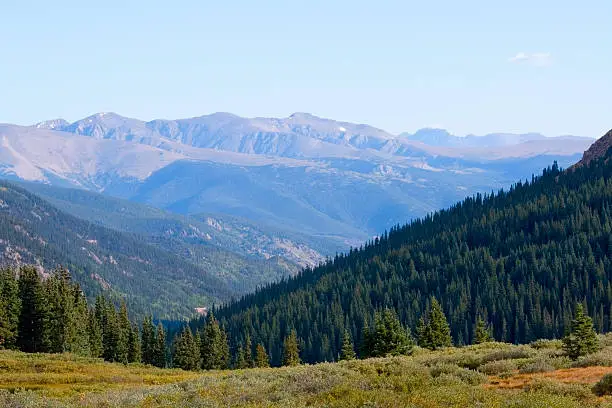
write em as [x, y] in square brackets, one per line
[469, 66]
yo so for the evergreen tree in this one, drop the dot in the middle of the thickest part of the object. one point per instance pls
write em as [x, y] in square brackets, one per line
[291, 351]
[95, 335]
[436, 332]
[134, 346]
[347, 352]
[61, 323]
[581, 338]
[33, 333]
[214, 349]
[261, 357]
[388, 336]
[186, 353]
[148, 340]
[123, 335]
[422, 333]
[226, 358]
[10, 307]
[240, 362]
[159, 355]
[482, 333]
[248, 352]
[112, 349]
[80, 343]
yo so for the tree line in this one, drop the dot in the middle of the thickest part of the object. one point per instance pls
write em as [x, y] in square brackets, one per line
[51, 315]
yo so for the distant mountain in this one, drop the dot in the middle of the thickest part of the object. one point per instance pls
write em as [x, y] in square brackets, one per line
[122, 265]
[442, 138]
[313, 179]
[299, 135]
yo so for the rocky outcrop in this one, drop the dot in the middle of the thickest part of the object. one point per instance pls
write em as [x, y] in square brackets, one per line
[597, 150]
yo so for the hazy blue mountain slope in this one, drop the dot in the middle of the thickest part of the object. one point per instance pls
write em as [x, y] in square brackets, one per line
[212, 232]
[101, 259]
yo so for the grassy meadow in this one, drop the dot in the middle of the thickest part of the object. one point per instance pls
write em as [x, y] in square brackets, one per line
[486, 375]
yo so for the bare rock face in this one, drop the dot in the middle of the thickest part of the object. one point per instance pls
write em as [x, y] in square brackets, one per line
[597, 150]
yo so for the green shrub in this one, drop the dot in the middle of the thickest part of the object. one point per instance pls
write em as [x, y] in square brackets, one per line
[498, 367]
[537, 366]
[514, 353]
[577, 391]
[604, 386]
[464, 375]
[601, 358]
[547, 344]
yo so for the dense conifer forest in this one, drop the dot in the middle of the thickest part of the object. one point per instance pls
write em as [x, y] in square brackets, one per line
[511, 264]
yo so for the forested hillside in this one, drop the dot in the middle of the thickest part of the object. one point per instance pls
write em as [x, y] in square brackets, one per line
[102, 260]
[519, 259]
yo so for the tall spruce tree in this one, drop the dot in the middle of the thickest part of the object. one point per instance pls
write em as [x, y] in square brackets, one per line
[291, 350]
[581, 338]
[186, 354]
[95, 335]
[482, 333]
[10, 307]
[240, 361]
[347, 352]
[159, 356]
[248, 352]
[33, 330]
[124, 328]
[148, 340]
[436, 332]
[214, 350]
[388, 337]
[261, 357]
[80, 344]
[134, 346]
[61, 318]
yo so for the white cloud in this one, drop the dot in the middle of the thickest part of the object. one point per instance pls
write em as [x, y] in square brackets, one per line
[539, 59]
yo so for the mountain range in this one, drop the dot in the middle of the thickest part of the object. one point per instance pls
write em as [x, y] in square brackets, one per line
[327, 178]
[263, 197]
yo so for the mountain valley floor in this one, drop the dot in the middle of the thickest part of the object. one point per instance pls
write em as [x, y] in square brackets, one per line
[485, 375]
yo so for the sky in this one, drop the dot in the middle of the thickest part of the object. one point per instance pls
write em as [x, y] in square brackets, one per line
[472, 67]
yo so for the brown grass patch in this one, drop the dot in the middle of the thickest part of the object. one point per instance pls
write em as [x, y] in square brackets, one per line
[586, 375]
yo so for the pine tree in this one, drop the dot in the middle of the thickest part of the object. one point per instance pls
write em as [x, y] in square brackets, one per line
[214, 349]
[226, 358]
[80, 343]
[61, 315]
[482, 333]
[422, 332]
[186, 354]
[291, 351]
[261, 357]
[33, 333]
[134, 346]
[240, 362]
[112, 350]
[581, 338]
[347, 352]
[148, 340]
[248, 352]
[159, 356]
[436, 333]
[123, 336]
[388, 336]
[95, 335]
[10, 307]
